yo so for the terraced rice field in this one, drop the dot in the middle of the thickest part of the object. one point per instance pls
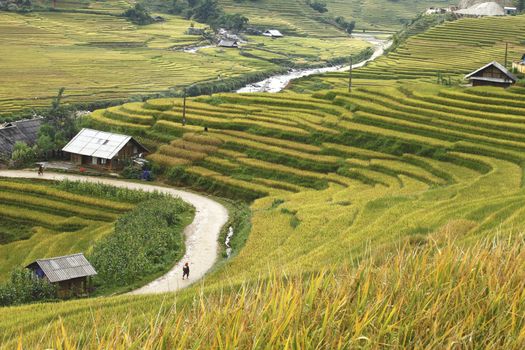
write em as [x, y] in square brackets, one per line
[451, 50]
[342, 178]
[44, 220]
[379, 214]
[295, 16]
[109, 6]
[101, 58]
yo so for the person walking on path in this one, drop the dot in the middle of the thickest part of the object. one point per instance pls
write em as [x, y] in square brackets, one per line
[41, 169]
[186, 271]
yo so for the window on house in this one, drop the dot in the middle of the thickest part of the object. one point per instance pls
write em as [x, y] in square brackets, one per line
[103, 161]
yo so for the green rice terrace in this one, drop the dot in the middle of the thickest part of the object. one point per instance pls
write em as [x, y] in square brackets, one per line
[391, 215]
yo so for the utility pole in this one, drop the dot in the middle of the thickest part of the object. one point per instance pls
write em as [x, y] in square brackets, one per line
[350, 76]
[506, 53]
[184, 109]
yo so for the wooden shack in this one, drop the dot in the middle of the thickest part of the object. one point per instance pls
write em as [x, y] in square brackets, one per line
[71, 273]
[492, 74]
[102, 149]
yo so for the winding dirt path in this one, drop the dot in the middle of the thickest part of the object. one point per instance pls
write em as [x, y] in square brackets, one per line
[201, 235]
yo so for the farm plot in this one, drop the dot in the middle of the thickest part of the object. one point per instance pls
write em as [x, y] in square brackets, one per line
[103, 58]
[53, 219]
[442, 54]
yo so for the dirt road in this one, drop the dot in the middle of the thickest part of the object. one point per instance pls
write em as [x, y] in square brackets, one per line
[201, 235]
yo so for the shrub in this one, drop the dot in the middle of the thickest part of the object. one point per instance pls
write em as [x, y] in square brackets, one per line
[22, 154]
[319, 6]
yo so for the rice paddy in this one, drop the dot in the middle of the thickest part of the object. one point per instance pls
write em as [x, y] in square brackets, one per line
[391, 215]
[102, 58]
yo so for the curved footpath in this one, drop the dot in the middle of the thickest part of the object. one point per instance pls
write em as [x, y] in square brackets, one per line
[201, 235]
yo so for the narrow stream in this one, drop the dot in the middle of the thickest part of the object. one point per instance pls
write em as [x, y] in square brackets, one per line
[278, 82]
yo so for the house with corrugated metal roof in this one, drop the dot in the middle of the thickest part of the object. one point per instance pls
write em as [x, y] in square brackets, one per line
[103, 149]
[71, 273]
[25, 130]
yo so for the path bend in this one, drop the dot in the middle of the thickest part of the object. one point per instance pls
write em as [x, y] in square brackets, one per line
[201, 235]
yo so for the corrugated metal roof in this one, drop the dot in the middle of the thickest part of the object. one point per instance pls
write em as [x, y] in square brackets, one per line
[65, 268]
[273, 32]
[95, 143]
[228, 43]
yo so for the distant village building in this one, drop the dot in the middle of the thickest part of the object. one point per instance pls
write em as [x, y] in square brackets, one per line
[232, 44]
[103, 149]
[71, 273]
[510, 10]
[19, 131]
[273, 33]
[440, 10]
[492, 74]
[519, 66]
[482, 10]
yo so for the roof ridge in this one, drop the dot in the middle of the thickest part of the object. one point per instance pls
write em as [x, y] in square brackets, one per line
[59, 257]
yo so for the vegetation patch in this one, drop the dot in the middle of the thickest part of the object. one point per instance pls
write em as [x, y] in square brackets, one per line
[146, 242]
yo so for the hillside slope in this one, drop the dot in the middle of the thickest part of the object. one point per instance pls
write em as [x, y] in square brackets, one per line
[296, 15]
[343, 180]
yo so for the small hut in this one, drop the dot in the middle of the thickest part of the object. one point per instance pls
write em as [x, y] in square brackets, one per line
[519, 66]
[71, 273]
[273, 33]
[102, 149]
[231, 44]
[492, 74]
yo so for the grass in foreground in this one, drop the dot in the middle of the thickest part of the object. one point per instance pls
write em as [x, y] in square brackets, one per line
[438, 294]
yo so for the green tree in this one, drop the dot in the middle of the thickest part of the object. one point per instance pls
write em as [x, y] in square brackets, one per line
[60, 125]
[520, 5]
[207, 11]
[139, 15]
[236, 22]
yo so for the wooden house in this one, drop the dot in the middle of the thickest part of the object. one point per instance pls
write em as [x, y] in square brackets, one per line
[71, 273]
[492, 74]
[102, 149]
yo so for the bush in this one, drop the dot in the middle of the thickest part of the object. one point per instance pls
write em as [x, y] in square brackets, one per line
[24, 287]
[348, 26]
[318, 6]
[22, 154]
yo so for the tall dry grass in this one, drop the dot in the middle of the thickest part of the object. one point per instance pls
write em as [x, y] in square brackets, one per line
[436, 296]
